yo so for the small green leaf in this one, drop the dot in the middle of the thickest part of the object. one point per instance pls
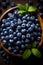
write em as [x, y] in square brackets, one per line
[26, 6]
[36, 52]
[34, 44]
[21, 11]
[32, 9]
[20, 6]
[26, 54]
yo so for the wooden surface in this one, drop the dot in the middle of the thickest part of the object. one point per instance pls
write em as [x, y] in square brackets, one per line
[18, 61]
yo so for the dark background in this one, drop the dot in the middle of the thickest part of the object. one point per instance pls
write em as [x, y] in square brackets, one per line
[18, 61]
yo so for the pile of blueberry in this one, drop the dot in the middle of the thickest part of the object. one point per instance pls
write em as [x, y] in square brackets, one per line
[17, 30]
[40, 7]
[5, 3]
[5, 56]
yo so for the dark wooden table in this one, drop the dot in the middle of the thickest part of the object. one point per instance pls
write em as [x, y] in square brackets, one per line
[33, 60]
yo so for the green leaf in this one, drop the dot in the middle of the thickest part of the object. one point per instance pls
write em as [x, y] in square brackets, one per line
[26, 54]
[21, 7]
[21, 11]
[36, 52]
[32, 9]
[26, 6]
[34, 44]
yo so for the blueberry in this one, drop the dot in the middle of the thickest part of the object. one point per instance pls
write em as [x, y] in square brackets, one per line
[10, 31]
[2, 34]
[24, 21]
[2, 37]
[28, 35]
[1, 52]
[28, 25]
[24, 18]
[19, 21]
[4, 42]
[33, 25]
[23, 25]
[3, 21]
[14, 33]
[20, 15]
[28, 18]
[22, 46]
[41, 14]
[9, 48]
[3, 25]
[40, 8]
[37, 24]
[30, 2]
[36, 20]
[7, 24]
[39, 33]
[18, 27]
[32, 18]
[30, 22]
[38, 38]
[23, 31]
[22, 41]
[9, 14]
[7, 37]
[8, 28]
[32, 38]
[36, 28]
[26, 15]
[27, 41]
[12, 25]
[15, 38]
[7, 1]
[11, 36]
[19, 34]
[23, 37]
[12, 4]
[17, 30]
[39, 29]
[5, 32]
[11, 22]
[4, 55]
[30, 29]
[11, 41]
[35, 33]
[15, 51]
[4, 5]
[18, 42]
[15, 20]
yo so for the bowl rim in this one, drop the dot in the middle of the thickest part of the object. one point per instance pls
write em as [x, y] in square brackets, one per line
[5, 49]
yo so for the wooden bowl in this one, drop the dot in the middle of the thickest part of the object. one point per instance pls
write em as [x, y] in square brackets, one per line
[5, 49]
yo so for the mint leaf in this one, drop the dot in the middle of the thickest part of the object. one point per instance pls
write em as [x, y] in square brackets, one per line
[26, 54]
[36, 52]
[21, 11]
[32, 9]
[26, 6]
[22, 7]
[34, 44]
